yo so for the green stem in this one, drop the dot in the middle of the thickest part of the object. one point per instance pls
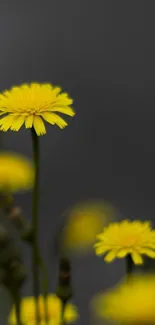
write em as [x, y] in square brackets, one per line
[35, 269]
[16, 300]
[129, 264]
[37, 259]
[44, 285]
[63, 312]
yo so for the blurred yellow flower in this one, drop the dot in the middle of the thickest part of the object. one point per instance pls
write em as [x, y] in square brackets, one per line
[84, 222]
[16, 172]
[28, 316]
[31, 104]
[127, 237]
[131, 302]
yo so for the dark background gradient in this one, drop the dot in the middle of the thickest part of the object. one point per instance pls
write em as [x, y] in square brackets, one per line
[102, 53]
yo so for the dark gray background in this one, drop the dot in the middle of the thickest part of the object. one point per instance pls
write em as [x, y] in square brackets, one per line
[103, 53]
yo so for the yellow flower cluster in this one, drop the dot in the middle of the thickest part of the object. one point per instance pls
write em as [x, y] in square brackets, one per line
[33, 103]
[28, 316]
[127, 237]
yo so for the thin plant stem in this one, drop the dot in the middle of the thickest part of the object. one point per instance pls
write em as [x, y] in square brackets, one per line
[44, 285]
[63, 312]
[44, 272]
[36, 258]
[129, 265]
[16, 299]
[35, 269]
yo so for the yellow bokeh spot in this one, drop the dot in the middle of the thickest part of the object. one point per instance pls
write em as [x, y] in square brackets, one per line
[84, 222]
[16, 172]
[130, 302]
[54, 305]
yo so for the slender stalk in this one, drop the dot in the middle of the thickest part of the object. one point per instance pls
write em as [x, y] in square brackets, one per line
[16, 300]
[44, 285]
[41, 263]
[63, 312]
[35, 269]
[129, 265]
[36, 257]
[64, 289]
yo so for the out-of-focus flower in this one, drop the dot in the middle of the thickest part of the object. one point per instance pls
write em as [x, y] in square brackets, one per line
[54, 305]
[131, 302]
[127, 237]
[84, 222]
[31, 104]
[16, 172]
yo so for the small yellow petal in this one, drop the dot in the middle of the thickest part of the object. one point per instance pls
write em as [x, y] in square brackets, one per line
[39, 125]
[7, 121]
[29, 121]
[122, 253]
[148, 252]
[55, 119]
[111, 256]
[101, 250]
[48, 117]
[137, 259]
[18, 123]
[64, 100]
[64, 110]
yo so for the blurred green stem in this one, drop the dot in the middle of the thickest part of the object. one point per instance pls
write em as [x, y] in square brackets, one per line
[44, 284]
[16, 301]
[63, 312]
[36, 258]
[129, 264]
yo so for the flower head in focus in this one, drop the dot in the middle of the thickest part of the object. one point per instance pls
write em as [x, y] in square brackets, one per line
[28, 316]
[16, 172]
[127, 237]
[84, 222]
[131, 302]
[31, 104]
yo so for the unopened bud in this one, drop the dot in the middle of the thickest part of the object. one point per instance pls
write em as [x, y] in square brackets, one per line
[21, 224]
[64, 290]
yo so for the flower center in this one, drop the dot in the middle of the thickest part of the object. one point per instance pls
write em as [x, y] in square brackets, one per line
[129, 240]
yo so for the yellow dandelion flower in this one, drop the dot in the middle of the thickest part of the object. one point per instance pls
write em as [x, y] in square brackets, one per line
[16, 172]
[28, 315]
[84, 222]
[31, 104]
[127, 237]
[130, 302]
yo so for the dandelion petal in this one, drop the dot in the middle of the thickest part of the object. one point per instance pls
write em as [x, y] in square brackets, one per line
[64, 110]
[29, 121]
[122, 253]
[39, 125]
[148, 252]
[101, 250]
[7, 121]
[16, 125]
[48, 117]
[54, 119]
[137, 258]
[111, 256]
